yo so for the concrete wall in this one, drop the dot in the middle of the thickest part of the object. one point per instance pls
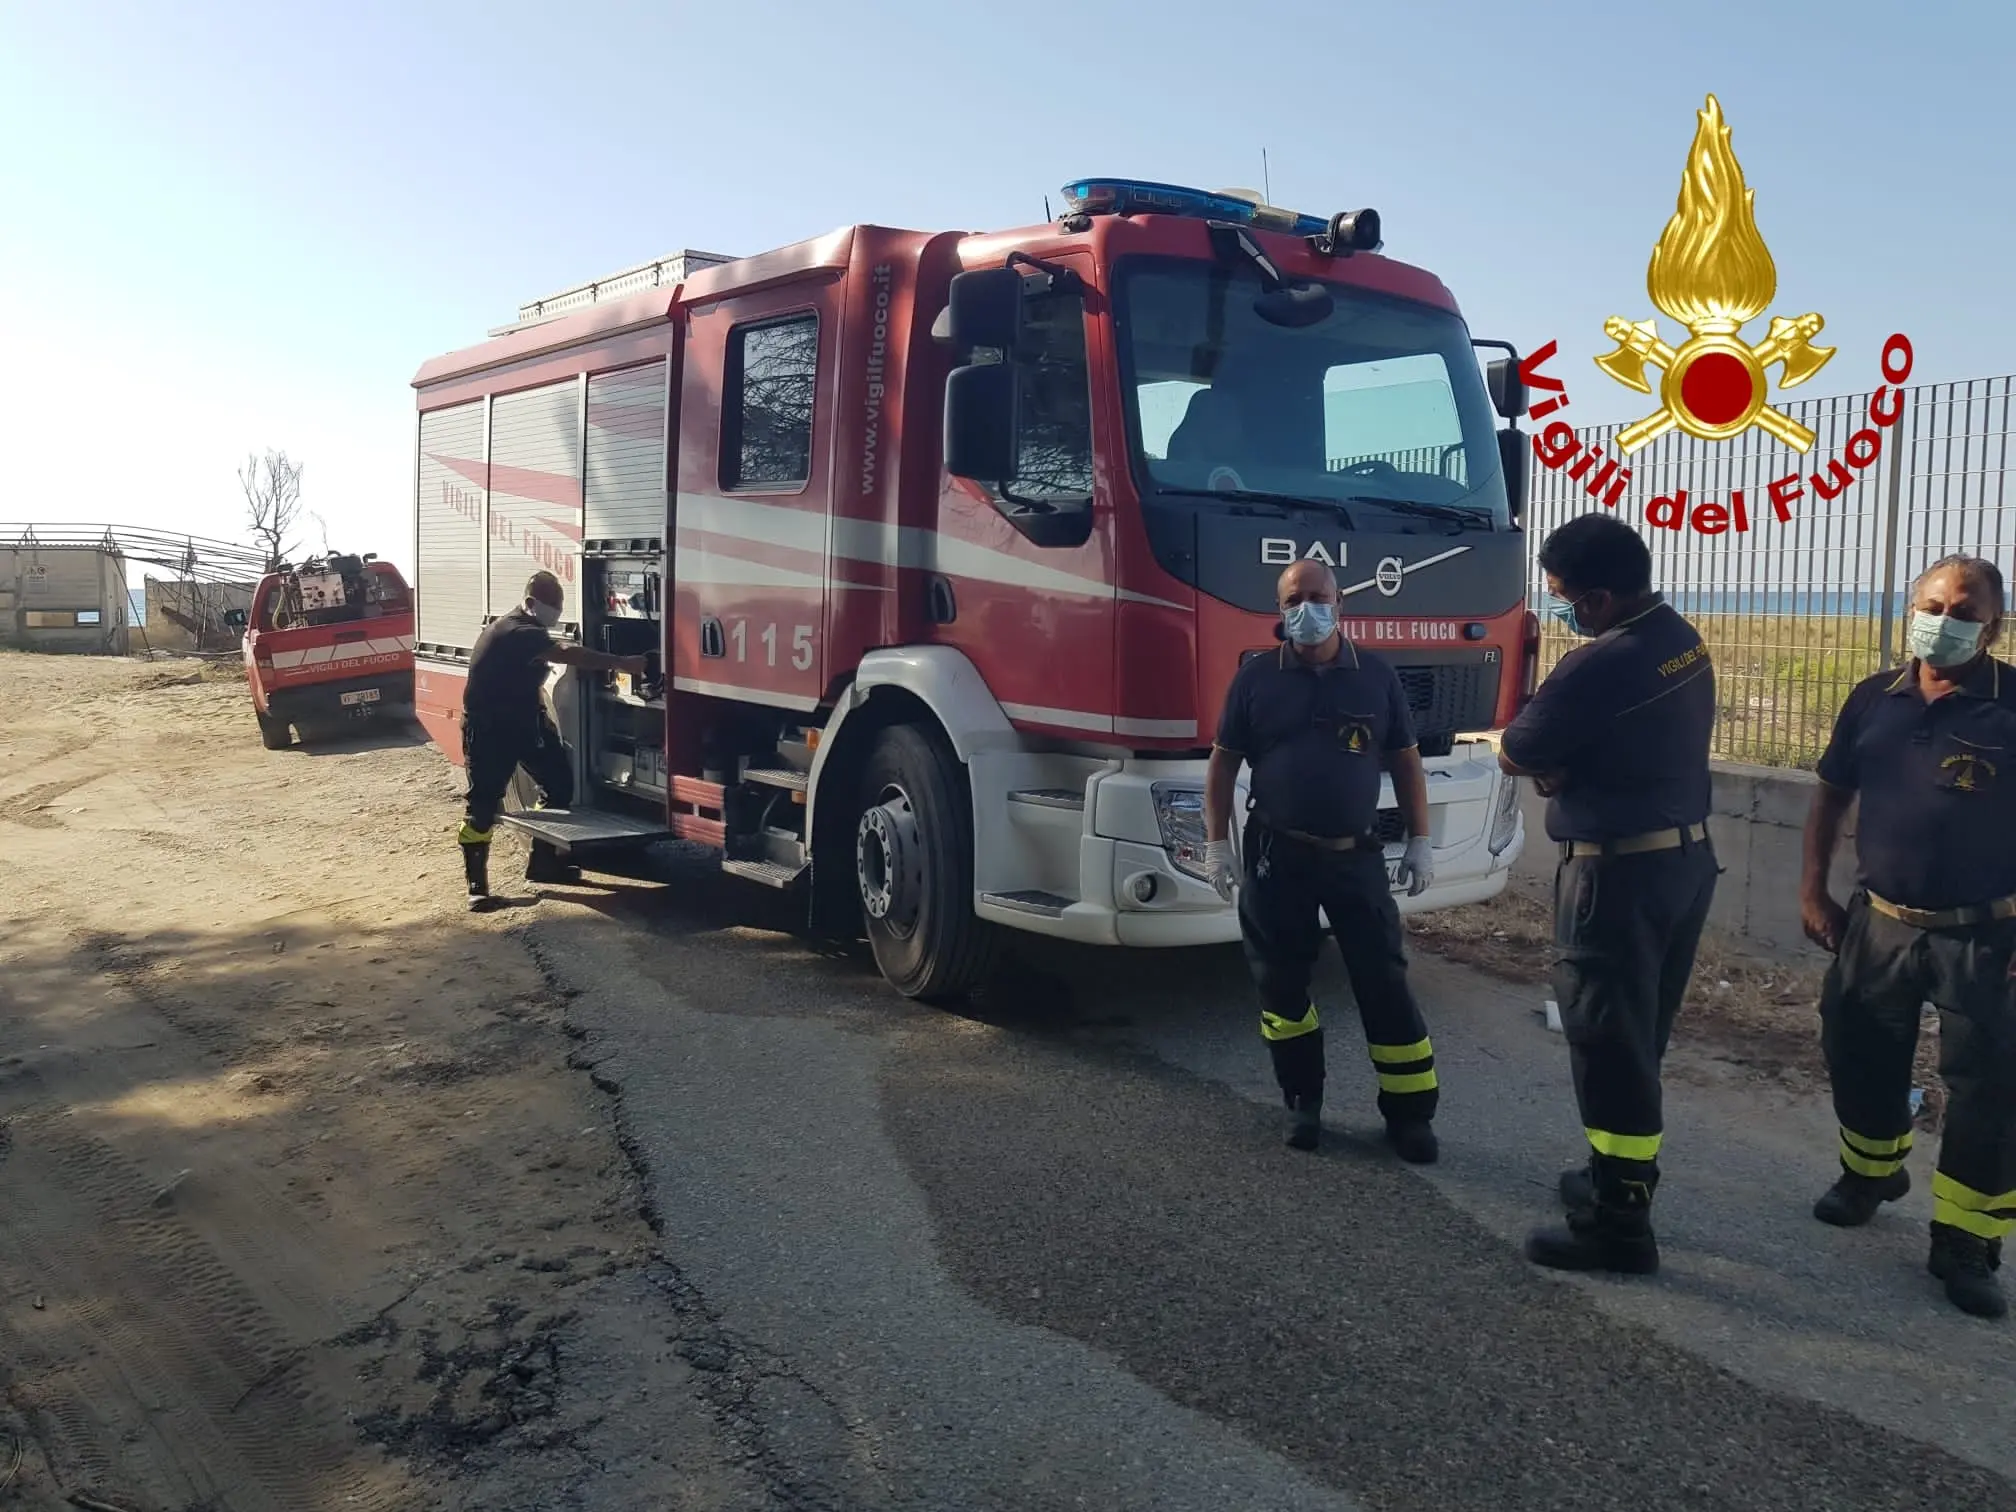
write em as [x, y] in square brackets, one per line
[1757, 825]
[62, 598]
[174, 613]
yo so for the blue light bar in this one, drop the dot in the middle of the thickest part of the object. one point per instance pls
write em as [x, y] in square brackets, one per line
[1109, 196]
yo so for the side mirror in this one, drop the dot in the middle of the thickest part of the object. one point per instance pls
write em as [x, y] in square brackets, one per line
[1508, 389]
[982, 420]
[1294, 305]
[1515, 458]
[985, 310]
[234, 619]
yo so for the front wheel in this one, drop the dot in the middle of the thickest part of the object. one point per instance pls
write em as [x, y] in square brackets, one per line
[913, 861]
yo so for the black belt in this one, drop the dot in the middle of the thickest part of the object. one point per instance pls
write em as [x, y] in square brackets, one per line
[1320, 842]
[1944, 918]
[1632, 845]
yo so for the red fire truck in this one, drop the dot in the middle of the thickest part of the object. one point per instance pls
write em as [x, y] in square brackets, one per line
[946, 546]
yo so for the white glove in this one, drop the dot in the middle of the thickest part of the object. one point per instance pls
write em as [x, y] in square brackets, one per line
[1417, 867]
[1220, 870]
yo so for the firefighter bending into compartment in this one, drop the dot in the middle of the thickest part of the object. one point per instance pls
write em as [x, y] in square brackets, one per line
[1617, 738]
[1316, 722]
[504, 727]
[1931, 752]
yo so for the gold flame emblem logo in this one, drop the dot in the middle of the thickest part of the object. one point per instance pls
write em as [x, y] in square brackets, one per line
[1712, 272]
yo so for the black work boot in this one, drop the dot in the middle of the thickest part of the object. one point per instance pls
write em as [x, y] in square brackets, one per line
[1613, 1233]
[1413, 1140]
[476, 867]
[1967, 1264]
[1853, 1200]
[545, 865]
[1578, 1189]
[1305, 1123]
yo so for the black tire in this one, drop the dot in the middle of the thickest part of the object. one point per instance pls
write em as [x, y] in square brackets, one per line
[274, 734]
[928, 942]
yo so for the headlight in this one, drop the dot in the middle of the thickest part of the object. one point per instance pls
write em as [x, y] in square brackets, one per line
[1179, 815]
[1506, 821]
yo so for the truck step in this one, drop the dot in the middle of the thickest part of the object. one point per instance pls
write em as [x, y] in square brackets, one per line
[768, 873]
[579, 829]
[777, 776]
[1057, 798]
[1031, 901]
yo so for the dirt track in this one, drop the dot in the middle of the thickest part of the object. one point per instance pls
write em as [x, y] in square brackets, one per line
[303, 1204]
[320, 1193]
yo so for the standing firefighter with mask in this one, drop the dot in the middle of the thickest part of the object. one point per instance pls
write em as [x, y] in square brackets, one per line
[1931, 752]
[1317, 721]
[1617, 739]
[504, 727]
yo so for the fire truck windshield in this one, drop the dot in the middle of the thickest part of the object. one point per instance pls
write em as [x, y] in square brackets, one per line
[1376, 408]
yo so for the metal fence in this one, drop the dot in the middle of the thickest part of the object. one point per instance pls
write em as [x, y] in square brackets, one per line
[1797, 611]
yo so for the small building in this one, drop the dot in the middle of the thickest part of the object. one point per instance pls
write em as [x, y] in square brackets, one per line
[63, 597]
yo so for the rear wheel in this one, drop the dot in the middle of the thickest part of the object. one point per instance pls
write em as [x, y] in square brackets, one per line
[913, 862]
[274, 734]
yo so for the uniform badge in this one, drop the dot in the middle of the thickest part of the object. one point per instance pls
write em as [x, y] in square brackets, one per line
[1967, 773]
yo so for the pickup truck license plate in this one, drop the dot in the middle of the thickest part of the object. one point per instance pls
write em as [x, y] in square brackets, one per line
[370, 695]
[1393, 873]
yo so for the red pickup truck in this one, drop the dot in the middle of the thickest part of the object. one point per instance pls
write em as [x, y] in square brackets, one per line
[328, 642]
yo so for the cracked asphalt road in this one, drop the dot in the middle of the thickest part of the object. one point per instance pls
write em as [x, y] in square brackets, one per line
[1050, 1252]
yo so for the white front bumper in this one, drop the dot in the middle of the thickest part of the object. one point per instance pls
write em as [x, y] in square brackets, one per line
[1118, 843]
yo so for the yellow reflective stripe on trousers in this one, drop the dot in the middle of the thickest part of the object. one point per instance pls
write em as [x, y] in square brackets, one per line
[1275, 1027]
[1417, 1081]
[1962, 1207]
[470, 836]
[1862, 1165]
[1624, 1146]
[1400, 1055]
[1876, 1149]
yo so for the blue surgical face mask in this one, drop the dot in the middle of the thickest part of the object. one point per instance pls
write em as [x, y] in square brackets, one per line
[1309, 624]
[547, 614]
[1939, 640]
[1565, 612]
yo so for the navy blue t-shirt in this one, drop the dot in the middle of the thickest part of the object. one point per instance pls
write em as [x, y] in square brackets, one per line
[1626, 718]
[507, 672]
[1937, 782]
[1314, 736]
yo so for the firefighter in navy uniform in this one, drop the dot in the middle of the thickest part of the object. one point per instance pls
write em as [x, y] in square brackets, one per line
[1316, 721]
[504, 727]
[1617, 738]
[1931, 753]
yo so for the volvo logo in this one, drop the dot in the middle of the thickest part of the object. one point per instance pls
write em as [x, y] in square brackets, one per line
[1392, 572]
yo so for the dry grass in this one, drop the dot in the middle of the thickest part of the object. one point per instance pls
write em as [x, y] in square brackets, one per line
[1741, 1008]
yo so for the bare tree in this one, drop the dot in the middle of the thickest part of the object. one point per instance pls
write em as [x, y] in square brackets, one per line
[272, 487]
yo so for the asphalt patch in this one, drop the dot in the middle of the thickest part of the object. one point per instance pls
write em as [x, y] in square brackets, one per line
[1336, 1308]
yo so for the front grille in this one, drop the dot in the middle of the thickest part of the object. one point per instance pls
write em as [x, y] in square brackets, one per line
[1448, 699]
[1390, 828]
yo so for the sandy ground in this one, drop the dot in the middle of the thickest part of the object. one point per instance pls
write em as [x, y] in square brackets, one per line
[300, 1193]
[320, 1193]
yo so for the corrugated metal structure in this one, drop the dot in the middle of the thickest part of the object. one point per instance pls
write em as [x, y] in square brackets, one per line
[62, 596]
[64, 587]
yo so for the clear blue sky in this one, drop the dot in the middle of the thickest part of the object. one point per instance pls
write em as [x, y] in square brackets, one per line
[229, 225]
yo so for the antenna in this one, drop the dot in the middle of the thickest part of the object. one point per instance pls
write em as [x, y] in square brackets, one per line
[1267, 185]
[1046, 208]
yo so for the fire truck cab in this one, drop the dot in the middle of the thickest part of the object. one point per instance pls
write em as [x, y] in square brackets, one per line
[948, 545]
